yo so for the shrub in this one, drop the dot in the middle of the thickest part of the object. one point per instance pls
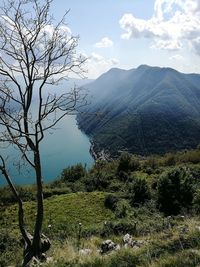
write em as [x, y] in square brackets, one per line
[111, 201]
[25, 192]
[169, 159]
[115, 186]
[48, 192]
[138, 191]
[175, 190]
[124, 163]
[152, 162]
[192, 156]
[122, 209]
[73, 173]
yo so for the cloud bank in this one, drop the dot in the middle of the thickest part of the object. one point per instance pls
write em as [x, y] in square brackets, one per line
[174, 25]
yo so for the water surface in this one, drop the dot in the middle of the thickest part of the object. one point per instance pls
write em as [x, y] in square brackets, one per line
[63, 147]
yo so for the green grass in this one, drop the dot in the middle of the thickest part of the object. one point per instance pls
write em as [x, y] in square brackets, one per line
[70, 209]
[169, 241]
[63, 212]
[169, 247]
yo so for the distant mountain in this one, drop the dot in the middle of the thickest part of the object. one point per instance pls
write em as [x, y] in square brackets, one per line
[145, 110]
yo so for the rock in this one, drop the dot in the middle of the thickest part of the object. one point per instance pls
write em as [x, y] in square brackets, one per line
[127, 239]
[129, 242]
[118, 247]
[85, 252]
[108, 246]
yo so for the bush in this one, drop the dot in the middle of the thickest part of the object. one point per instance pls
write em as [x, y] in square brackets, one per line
[152, 162]
[138, 191]
[124, 163]
[25, 192]
[169, 159]
[111, 201]
[73, 173]
[48, 192]
[192, 156]
[122, 208]
[115, 186]
[175, 190]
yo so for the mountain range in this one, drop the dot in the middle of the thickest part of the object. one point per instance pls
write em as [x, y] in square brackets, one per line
[148, 110]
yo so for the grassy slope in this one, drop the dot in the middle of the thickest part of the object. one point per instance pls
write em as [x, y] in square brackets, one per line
[63, 212]
[167, 244]
[88, 208]
[71, 209]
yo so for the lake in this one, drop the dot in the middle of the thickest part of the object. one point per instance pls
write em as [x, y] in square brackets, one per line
[63, 147]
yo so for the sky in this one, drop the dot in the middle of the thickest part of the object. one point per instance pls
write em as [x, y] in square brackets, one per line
[128, 33]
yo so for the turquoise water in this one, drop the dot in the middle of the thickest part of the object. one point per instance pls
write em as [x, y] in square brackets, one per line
[62, 147]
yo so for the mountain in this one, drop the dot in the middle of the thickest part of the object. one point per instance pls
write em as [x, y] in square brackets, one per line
[145, 110]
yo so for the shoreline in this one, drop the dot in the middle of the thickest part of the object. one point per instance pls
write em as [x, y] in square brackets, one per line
[92, 151]
[99, 155]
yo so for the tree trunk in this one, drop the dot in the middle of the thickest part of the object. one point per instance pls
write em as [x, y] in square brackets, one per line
[36, 245]
[40, 243]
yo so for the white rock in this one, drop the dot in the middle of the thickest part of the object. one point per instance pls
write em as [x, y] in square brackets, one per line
[127, 239]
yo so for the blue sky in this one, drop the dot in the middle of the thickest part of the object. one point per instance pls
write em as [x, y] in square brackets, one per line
[128, 33]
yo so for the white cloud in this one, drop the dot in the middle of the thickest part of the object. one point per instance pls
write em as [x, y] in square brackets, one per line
[176, 57]
[105, 42]
[96, 57]
[174, 24]
[171, 45]
[97, 64]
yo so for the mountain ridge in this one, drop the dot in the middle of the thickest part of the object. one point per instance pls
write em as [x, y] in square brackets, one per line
[145, 110]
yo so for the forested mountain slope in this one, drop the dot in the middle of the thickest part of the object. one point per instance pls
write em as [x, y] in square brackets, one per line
[145, 110]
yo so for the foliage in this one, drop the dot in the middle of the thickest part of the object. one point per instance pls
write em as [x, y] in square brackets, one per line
[122, 209]
[8, 246]
[175, 190]
[111, 201]
[138, 191]
[109, 215]
[154, 115]
[73, 173]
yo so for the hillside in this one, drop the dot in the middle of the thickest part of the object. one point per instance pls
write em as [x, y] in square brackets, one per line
[145, 110]
[124, 196]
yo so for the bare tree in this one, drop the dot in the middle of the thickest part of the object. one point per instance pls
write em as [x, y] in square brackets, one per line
[34, 53]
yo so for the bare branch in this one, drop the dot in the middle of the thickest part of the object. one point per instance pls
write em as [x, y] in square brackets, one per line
[34, 52]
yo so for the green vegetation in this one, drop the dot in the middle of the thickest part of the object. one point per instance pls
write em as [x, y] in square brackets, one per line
[148, 110]
[155, 199]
